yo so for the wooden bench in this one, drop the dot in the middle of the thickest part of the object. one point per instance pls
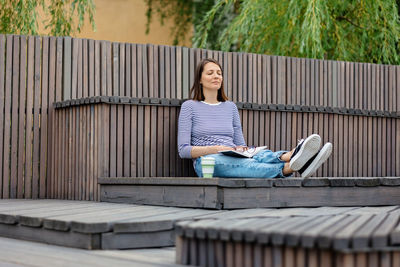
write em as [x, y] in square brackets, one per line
[136, 137]
[224, 193]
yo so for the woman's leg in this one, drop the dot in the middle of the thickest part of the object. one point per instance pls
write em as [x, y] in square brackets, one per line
[232, 167]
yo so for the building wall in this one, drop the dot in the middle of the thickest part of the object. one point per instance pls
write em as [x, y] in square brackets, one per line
[125, 21]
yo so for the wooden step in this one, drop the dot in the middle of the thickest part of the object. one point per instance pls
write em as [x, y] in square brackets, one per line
[223, 193]
[92, 225]
[357, 237]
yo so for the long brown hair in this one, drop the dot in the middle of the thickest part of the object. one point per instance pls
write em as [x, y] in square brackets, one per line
[197, 88]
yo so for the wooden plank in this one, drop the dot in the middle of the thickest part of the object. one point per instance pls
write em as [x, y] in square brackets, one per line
[162, 71]
[7, 117]
[153, 141]
[133, 140]
[29, 119]
[134, 70]
[67, 68]
[147, 141]
[185, 73]
[159, 143]
[168, 72]
[2, 98]
[166, 145]
[91, 68]
[145, 72]
[249, 77]
[97, 68]
[103, 67]
[14, 118]
[173, 75]
[22, 116]
[140, 141]
[115, 69]
[44, 189]
[71, 239]
[121, 68]
[119, 140]
[240, 78]
[36, 122]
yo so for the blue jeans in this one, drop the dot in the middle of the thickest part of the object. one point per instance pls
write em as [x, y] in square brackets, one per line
[266, 164]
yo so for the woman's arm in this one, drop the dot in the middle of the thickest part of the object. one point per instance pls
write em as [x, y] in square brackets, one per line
[198, 151]
[238, 138]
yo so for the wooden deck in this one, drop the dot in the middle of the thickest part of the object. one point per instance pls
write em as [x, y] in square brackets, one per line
[368, 236]
[219, 193]
[92, 225]
[19, 253]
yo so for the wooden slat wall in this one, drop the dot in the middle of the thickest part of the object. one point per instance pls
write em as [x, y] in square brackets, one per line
[37, 71]
[140, 141]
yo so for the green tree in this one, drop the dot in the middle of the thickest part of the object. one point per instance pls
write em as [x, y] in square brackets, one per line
[187, 14]
[352, 30]
[65, 17]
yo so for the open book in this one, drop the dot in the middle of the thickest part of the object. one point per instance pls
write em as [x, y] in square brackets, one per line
[249, 153]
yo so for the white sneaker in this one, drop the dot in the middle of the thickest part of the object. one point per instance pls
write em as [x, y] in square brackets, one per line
[314, 163]
[304, 151]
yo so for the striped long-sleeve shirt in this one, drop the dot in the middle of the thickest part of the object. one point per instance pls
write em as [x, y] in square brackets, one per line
[202, 124]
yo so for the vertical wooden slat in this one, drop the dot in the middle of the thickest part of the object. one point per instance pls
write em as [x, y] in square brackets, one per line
[103, 71]
[307, 83]
[106, 140]
[67, 68]
[167, 72]
[240, 77]
[14, 118]
[115, 69]
[153, 142]
[134, 69]
[2, 91]
[159, 142]
[97, 69]
[134, 146]
[145, 72]
[21, 116]
[5, 81]
[173, 74]
[147, 141]
[156, 72]
[128, 70]
[235, 77]
[245, 73]
[91, 136]
[109, 69]
[113, 140]
[274, 79]
[185, 72]
[85, 68]
[29, 120]
[150, 52]
[58, 97]
[166, 145]
[127, 142]
[80, 84]
[91, 68]
[249, 74]
[162, 61]
[140, 141]
[121, 84]
[120, 140]
[172, 141]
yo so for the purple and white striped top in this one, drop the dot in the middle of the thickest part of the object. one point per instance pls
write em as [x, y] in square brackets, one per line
[202, 124]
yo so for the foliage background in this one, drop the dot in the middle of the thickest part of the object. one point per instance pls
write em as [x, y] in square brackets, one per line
[350, 30]
[64, 17]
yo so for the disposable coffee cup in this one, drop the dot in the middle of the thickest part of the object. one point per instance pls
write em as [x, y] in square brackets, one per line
[207, 165]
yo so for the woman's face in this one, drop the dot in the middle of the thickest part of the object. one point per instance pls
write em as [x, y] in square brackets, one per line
[211, 78]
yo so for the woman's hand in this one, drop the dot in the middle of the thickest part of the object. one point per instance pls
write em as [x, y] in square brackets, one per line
[241, 148]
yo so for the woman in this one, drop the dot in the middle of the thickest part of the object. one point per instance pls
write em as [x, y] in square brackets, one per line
[209, 123]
